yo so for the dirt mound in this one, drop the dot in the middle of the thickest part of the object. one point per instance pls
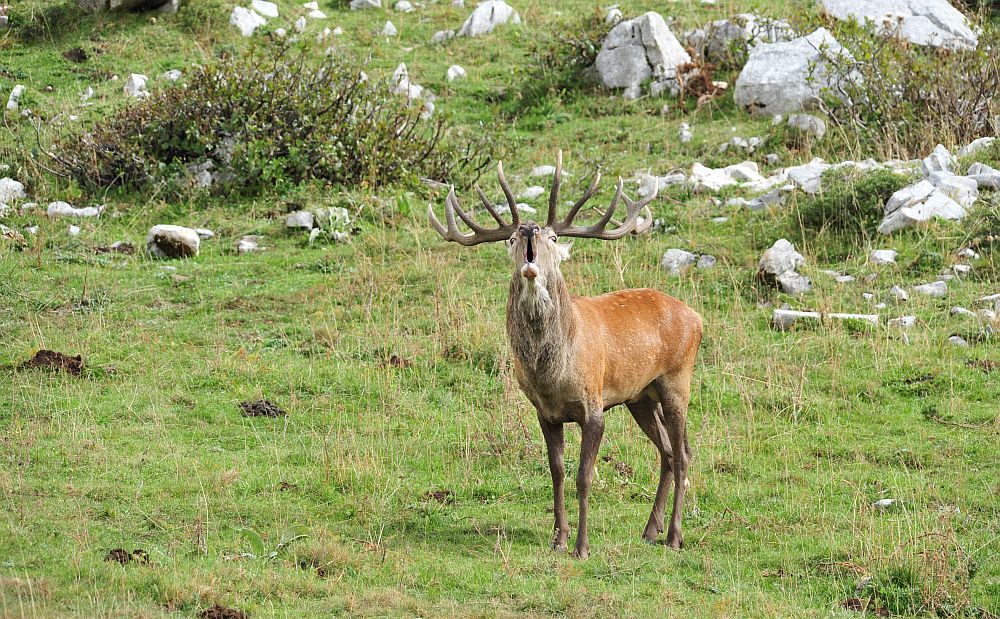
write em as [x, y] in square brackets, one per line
[221, 612]
[444, 497]
[52, 360]
[124, 557]
[77, 54]
[261, 408]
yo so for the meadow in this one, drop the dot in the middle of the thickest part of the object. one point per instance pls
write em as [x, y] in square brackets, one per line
[409, 467]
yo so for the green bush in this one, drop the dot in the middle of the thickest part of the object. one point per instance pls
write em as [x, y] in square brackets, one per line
[907, 98]
[852, 201]
[559, 62]
[271, 119]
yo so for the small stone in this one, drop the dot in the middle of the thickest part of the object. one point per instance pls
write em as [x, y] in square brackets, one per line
[358, 5]
[172, 75]
[958, 340]
[403, 6]
[783, 319]
[958, 310]
[135, 86]
[487, 16]
[265, 8]
[933, 289]
[684, 133]
[677, 261]
[14, 100]
[249, 244]
[794, 283]
[807, 123]
[899, 294]
[389, 30]
[169, 241]
[73, 230]
[975, 146]
[903, 322]
[300, 25]
[883, 256]
[531, 193]
[706, 261]
[455, 72]
[442, 35]
[11, 191]
[204, 233]
[64, 209]
[884, 503]
[299, 219]
[246, 20]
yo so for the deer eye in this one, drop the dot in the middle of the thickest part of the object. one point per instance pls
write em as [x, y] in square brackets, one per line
[553, 238]
[511, 240]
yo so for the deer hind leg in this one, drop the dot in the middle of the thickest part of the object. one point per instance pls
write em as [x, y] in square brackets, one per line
[555, 443]
[675, 393]
[649, 415]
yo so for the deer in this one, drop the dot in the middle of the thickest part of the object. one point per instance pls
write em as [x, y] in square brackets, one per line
[576, 357]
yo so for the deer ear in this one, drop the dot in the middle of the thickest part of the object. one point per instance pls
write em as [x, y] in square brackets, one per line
[563, 249]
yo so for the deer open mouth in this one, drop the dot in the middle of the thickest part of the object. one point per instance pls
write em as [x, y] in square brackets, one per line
[529, 251]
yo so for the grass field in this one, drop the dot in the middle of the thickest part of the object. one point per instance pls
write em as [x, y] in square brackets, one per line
[409, 458]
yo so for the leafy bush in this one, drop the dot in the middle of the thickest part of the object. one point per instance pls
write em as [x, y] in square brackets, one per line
[852, 201]
[271, 119]
[906, 98]
[559, 61]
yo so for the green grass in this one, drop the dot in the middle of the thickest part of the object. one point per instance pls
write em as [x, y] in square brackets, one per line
[794, 434]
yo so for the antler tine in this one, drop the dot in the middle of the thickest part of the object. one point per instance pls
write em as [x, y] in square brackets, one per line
[594, 185]
[511, 202]
[452, 232]
[554, 192]
[489, 206]
[597, 231]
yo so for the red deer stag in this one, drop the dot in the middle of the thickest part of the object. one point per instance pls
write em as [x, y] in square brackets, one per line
[576, 357]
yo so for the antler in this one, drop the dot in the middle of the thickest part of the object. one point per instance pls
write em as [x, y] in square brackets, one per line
[597, 231]
[479, 234]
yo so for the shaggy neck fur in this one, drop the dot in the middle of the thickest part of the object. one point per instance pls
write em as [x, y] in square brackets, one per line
[540, 323]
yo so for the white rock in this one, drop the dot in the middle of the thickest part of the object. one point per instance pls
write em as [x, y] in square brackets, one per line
[883, 256]
[64, 209]
[531, 192]
[883, 503]
[487, 16]
[975, 146]
[961, 311]
[316, 14]
[172, 75]
[612, 15]
[545, 170]
[967, 253]
[442, 35]
[168, 241]
[14, 100]
[455, 72]
[939, 160]
[807, 123]
[647, 182]
[246, 20]
[204, 233]
[249, 244]
[358, 5]
[924, 22]
[684, 133]
[338, 31]
[73, 230]
[933, 289]
[899, 294]
[678, 260]
[705, 261]
[389, 30]
[780, 258]
[783, 319]
[903, 322]
[787, 76]
[11, 191]
[403, 6]
[958, 340]
[961, 189]
[808, 176]
[916, 204]
[299, 219]
[135, 86]
[264, 8]
[86, 94]
[300, 25]
[794, 283]
[637, 50]
[986, 177]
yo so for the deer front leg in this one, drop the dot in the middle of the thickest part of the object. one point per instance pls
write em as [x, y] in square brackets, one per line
[592, 432]
[554, 444]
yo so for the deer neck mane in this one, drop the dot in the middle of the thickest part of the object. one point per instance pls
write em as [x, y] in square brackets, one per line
[541, 323]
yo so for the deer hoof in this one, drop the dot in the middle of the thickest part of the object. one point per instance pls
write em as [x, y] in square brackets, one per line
[580, 553]
[675, 541]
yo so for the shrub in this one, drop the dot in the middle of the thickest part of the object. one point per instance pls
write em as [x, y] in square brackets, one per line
[271, 120]
[852, 201]
[907, 98]
[560, 61]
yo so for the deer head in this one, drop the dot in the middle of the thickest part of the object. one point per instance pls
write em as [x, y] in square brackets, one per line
[535, 249]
